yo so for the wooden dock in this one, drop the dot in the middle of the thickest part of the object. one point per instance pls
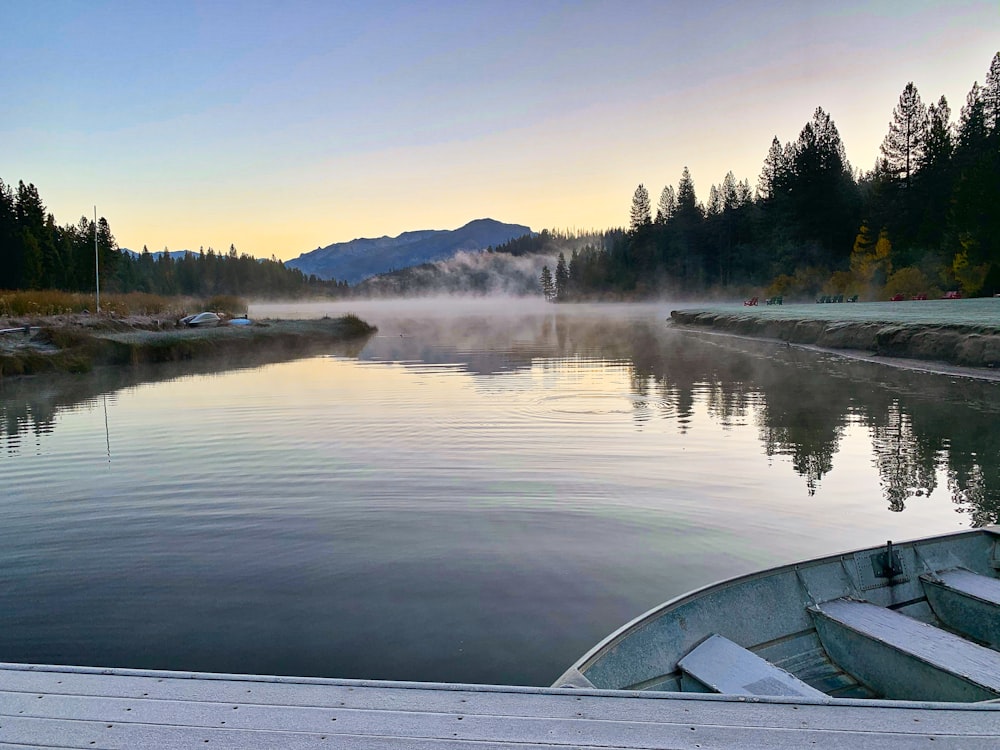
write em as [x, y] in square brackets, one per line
[81, 707]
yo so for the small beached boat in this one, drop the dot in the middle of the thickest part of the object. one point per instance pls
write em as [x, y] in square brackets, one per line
[204, 320]
[916, 621]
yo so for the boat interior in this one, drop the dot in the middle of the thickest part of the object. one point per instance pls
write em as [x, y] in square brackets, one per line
[913, 621]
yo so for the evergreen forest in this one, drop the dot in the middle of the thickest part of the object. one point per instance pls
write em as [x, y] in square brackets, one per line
[922, 221]
[37, 253]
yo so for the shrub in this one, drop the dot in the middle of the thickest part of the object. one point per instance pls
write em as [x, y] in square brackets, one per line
[910, 282]
[227, 303]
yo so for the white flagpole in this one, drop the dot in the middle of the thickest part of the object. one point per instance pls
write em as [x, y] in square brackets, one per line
[97, 264]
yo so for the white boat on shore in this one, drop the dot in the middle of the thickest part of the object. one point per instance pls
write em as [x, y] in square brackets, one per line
[203, 320]
[916, 621]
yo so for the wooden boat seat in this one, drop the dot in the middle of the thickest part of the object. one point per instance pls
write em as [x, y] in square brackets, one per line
[727, 667]
[966, 602]
[902, 658]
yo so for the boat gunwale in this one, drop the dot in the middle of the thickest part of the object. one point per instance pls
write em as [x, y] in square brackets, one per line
[613, 639]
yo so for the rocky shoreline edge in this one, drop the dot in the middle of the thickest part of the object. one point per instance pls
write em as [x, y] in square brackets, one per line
[951, 344]
[79, 345]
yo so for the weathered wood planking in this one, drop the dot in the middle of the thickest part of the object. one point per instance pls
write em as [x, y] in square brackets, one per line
[72, 707]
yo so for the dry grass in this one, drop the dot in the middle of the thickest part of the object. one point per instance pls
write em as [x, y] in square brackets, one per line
[229, 304]
[21, 304]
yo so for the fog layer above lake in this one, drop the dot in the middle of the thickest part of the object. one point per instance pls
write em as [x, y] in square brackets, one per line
[478, 495]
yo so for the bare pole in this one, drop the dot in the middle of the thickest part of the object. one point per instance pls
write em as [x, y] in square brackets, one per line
[97, 265]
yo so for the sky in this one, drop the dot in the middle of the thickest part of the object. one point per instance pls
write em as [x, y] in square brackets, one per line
[282, 127]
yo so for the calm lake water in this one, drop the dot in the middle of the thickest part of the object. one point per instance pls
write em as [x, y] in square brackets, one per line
[478, 493]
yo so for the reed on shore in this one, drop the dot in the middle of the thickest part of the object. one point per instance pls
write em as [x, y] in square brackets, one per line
[48, 302]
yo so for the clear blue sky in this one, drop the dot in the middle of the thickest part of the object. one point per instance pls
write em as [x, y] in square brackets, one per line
[283, 126]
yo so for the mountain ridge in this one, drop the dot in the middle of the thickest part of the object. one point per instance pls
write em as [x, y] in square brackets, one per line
[364, 257]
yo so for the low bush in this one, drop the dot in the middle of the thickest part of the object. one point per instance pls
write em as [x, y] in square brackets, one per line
[227, 303]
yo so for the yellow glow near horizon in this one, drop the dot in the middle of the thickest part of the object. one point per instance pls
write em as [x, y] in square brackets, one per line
[257, 131]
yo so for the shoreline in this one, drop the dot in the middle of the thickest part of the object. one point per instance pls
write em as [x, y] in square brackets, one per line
[78, 344]
[971, 346]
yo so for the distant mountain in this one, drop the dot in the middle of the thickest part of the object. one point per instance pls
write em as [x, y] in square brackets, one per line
[360, 259]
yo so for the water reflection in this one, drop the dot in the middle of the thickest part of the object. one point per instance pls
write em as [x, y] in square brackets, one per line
[32, 405]
[919, 423]
[800, 403]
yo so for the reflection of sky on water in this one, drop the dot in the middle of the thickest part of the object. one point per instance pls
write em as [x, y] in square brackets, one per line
[446, 509]
[601, 375]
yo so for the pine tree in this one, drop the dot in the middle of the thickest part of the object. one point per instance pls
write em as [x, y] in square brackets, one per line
[714, 207]
[991, 97]
[667, 205]
[938, 141]
[640, 215]
[933, 181]
[548, 287]
[774, 175]
[972, 129]
[727, 193]
[10, 251]
[687, 201]
[821, 194]
[562, 278]
[904, 144]
[975, 222]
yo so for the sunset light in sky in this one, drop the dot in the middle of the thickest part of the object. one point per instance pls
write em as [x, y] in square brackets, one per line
[280, 127]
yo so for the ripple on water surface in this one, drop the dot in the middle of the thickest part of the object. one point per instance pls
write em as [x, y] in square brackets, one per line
[480, 500]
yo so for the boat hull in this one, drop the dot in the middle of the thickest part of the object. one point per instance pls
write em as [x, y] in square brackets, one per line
[772, 615]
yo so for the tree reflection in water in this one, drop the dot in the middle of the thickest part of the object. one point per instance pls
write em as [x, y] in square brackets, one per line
[800, 402]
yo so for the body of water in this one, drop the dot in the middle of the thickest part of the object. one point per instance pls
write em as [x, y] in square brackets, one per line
[479, 494]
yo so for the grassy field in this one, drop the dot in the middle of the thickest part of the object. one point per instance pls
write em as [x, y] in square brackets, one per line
[977, 313]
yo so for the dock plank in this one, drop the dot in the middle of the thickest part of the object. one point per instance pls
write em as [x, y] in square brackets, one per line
[51, 733]
[484, 700]
[74, 707]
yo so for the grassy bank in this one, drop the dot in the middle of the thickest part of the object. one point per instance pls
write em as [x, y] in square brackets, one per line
[46, 303]
[76, 346]
[964, 333]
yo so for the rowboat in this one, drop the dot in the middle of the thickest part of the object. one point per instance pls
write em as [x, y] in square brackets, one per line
[204, 320]
[912, 621]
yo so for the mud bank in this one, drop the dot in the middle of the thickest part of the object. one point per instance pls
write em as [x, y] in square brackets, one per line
[68, 346]
[961, 345]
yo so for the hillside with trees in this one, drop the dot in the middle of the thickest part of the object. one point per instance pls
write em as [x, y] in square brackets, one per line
[922, 220]
[37, 253]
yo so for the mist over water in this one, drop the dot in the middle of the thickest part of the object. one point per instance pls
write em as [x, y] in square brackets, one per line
[479, 494]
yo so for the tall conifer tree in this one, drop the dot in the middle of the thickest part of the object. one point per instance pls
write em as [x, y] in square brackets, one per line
[640, 215]
[666, 206]
[904, 144]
